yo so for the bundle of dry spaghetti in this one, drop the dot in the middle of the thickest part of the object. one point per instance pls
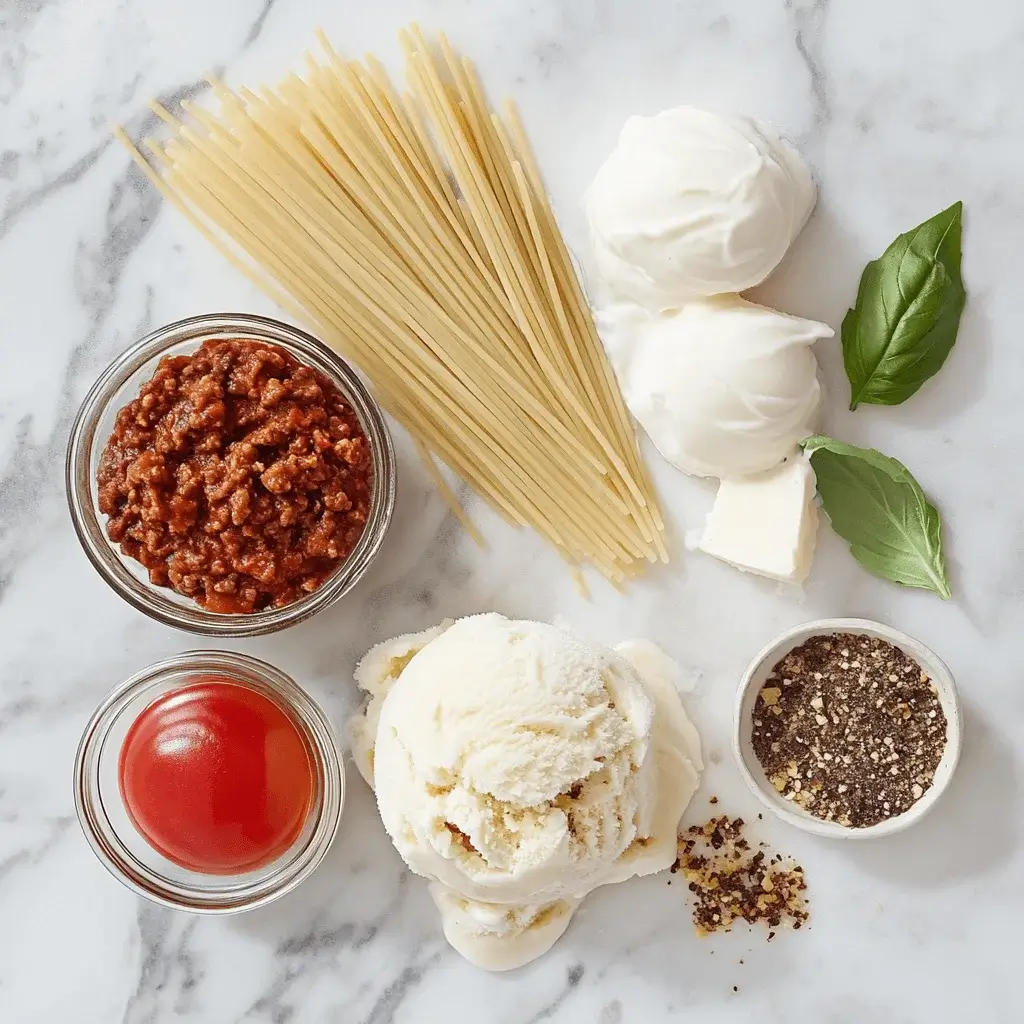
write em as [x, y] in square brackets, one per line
[413, 234]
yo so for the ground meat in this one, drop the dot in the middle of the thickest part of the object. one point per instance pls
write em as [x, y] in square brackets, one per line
[238, 477]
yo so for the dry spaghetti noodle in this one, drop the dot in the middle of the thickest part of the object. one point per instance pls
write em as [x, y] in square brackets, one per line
[414, 235]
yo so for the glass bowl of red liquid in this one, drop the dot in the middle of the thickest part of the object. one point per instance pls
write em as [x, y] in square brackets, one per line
[209, 782]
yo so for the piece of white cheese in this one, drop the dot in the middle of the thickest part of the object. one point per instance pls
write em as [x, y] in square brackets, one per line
[766, 523]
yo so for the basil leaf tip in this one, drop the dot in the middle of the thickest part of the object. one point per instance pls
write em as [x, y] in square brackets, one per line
[874, 503]
[907, 314]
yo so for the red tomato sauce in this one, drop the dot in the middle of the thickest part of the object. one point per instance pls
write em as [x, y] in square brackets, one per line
[217, 777]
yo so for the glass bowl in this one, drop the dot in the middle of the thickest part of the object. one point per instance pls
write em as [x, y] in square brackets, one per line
[120, 383]
[129, 857]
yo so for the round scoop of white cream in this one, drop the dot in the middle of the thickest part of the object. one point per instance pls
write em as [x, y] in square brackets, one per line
[518, 768]
[691, 204]
[723, 387]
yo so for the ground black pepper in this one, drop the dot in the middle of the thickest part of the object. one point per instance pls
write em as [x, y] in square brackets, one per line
[849, 728]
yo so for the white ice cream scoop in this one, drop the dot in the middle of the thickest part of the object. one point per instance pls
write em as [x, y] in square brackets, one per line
[723, 387]
[691, 204]
[518, 768]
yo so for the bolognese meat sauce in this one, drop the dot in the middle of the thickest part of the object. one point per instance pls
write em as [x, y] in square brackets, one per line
[238, 477]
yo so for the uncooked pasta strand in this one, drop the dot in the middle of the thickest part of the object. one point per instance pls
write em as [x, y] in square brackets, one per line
[451, 289]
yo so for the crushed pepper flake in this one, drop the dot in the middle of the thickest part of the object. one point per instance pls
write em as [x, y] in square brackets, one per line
[731, 881]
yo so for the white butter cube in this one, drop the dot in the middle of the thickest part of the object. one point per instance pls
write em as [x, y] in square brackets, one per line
[766, 523]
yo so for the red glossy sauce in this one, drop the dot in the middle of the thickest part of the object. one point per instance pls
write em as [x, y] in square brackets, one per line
[217, 777]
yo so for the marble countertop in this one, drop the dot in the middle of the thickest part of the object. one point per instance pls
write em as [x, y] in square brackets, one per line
[902, 108]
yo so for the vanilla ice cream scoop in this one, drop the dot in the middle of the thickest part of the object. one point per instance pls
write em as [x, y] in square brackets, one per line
[691, 204]
[723, 387]
[518, 768]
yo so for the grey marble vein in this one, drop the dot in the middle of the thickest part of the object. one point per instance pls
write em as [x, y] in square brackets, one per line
[167, 968]
[573, 976]
[20, 204]
[321, 948]
[397, 992]
[810, 18]
[16, 18]
[261, 19]
[56, 830]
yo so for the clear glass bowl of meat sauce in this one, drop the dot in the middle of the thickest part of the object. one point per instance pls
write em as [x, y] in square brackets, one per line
[209, 782]
[120, 384]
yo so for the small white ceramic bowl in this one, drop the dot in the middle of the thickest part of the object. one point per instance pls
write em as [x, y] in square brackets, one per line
[759, 670]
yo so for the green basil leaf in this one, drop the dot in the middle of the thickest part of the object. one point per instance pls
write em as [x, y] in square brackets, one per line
[907, 313]
[875, 504]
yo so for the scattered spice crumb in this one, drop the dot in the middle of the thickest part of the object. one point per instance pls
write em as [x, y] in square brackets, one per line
[735, 988]
[713, 800]
[849, 728]
[464, 841]
[731, 881]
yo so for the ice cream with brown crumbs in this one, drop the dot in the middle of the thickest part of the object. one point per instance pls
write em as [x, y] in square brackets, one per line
[518, 768]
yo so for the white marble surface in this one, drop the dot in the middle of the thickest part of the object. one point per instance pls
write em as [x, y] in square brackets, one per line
[902, 106]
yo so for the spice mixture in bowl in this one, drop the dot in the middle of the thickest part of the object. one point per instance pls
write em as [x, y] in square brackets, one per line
[847, 727]
[230, 475]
